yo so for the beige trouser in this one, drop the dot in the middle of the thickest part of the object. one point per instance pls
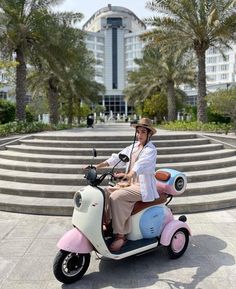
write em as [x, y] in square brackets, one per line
[119, 206]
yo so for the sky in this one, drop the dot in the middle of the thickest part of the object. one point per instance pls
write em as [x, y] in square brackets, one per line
[89, 7]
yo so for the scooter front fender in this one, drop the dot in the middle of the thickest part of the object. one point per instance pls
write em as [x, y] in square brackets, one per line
[74, 241]
[170, 229]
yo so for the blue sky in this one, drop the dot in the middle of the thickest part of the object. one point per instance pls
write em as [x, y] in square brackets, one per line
[89, 7]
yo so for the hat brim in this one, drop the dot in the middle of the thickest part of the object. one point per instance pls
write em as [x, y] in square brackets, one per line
[152, 129]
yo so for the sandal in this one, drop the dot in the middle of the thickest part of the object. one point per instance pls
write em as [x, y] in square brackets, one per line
[120, 241]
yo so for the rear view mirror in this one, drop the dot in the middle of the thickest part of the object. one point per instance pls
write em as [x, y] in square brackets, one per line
[124, 158]
[94, 153]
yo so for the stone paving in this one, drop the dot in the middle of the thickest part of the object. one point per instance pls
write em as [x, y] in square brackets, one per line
[28, 247]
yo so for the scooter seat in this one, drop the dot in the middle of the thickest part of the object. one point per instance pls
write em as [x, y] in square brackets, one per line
[139, 206]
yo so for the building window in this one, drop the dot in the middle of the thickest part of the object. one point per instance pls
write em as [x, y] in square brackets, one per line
[3, 95]
[114, 22]
[100, 47]
[114, 103]
[100, 55]
[212, 59]
[114, 59]
[129, 47]
[224, 76]
[224, 67]
[90, 38]
[90, 46]
[129, 40]
[211, 77]
[100, 39]
[224, 58]
[211, 68]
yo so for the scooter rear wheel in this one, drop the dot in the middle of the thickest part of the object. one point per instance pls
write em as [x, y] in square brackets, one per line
[70, 267]
[178, 243]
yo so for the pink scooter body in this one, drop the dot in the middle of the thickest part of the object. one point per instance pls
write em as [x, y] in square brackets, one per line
[74, 241]
[170, 229]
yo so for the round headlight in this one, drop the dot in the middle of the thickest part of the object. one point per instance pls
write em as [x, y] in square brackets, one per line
[77, 199]
[179, 184]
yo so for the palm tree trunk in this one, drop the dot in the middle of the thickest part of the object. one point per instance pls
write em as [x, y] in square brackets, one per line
[20, 84]
[79, 117]
[171, 101]
[53, 101]
[70, 110]
[201, 98]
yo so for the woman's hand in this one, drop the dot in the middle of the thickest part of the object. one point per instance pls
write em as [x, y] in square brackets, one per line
[119, 175]
[124, 176]
[87, 167]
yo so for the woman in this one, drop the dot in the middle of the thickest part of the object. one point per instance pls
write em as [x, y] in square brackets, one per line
[140, 181]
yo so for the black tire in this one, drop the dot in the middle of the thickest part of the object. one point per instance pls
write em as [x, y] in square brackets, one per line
[70, 267]
[178, 243]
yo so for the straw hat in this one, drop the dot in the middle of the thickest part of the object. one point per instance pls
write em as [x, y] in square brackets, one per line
[147, 123]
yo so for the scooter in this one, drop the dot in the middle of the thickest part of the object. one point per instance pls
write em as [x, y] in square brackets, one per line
[152, 223]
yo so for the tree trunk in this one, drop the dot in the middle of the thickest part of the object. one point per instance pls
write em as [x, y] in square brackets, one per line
[70, 110]
[171, 101]
[20, 84]
[53, 101]
[201, 98]
[79, 117]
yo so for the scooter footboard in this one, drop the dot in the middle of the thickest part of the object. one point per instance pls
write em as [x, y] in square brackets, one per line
[74, 241]
[170, 229]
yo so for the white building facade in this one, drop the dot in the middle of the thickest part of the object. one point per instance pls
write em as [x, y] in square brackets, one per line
[113, 36]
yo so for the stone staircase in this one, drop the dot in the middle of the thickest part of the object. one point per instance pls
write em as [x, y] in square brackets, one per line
[40, 173]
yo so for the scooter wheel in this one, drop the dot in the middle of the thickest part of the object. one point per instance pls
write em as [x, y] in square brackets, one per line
[178, 243]
[70, 267]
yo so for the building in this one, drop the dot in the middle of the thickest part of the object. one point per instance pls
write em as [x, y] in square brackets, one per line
[220, 71]
[113, 36]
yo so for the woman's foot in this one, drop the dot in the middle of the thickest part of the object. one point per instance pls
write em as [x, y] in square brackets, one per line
[107, 230]
[118, 243]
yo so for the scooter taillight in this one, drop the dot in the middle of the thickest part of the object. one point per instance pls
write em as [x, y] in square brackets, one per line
[78, 199]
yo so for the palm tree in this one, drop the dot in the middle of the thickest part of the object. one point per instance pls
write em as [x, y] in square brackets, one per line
[195, 24]
[161, 71]
[64, 67]
[20, 23]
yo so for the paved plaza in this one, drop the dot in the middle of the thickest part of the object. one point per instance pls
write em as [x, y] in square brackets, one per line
[28, 247]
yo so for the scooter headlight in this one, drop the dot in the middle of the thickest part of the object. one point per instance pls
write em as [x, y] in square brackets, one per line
[78, 199]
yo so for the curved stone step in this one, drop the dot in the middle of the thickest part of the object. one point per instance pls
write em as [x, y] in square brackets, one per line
[86, 160]
[114, 144]
[42, 178]
[79, 180]
[212, 174]
[113, 138]
[37, 190]
[200, 165]
[193, 167]
[106, 151]
[64, 207]
[210, 187]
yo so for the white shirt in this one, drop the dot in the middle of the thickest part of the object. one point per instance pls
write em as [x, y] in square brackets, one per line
[144, 167]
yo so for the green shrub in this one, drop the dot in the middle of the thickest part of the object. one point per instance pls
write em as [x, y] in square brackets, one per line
[7, 111]
[28, 127]
[29, 115]
[197, 126]
[217, 118]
